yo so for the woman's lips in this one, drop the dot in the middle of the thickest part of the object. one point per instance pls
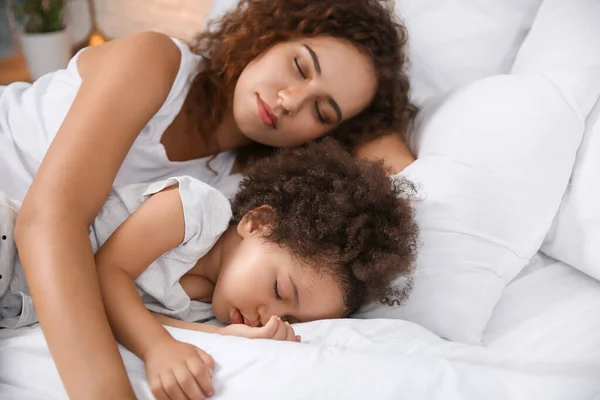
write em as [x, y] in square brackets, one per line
[266, 113]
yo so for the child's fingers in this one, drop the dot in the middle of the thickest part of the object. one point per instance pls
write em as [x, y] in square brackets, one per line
[207, 360]
[290, 334]
[269, 330]
[298, 338]
[171, 387]
[282, 331]
[188, 382]
[157, 389]
[202, 373]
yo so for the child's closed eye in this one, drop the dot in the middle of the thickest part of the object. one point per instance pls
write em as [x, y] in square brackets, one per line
[276, 290]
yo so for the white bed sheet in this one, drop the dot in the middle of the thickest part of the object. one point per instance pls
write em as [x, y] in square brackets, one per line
[542, 343]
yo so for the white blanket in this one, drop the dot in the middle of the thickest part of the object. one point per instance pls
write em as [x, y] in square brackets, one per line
[542, 343]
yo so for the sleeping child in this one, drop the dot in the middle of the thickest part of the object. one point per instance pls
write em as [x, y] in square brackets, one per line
[311, 234]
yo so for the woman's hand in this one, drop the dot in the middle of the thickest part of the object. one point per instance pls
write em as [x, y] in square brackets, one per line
[275, 329]
[178, 370]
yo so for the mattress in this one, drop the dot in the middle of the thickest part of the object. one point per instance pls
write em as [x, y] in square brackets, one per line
[541, 343]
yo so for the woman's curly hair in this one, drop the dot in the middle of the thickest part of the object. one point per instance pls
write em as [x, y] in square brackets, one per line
[343, 217]
[241, 35]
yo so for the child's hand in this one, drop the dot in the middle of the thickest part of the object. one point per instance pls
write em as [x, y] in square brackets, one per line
[178, 370]
[275, 329]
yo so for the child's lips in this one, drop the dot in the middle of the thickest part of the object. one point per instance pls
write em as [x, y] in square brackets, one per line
[248, 322]
[237, 317]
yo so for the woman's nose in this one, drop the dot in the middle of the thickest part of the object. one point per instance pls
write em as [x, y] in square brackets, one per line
[294, 97]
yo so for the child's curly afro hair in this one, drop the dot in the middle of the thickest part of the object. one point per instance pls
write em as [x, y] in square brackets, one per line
[340, 216]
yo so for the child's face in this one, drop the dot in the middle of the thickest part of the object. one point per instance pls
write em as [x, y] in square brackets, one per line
[260, 279]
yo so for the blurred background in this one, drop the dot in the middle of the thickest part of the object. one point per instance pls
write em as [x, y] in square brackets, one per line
[27, 40]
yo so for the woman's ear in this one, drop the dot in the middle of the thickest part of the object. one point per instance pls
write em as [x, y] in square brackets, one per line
[255, 221]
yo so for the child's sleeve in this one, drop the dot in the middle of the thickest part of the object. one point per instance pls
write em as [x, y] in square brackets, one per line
[206, 210]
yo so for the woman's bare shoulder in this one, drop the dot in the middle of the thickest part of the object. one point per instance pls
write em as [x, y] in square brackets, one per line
[124, 83]
[149, 54]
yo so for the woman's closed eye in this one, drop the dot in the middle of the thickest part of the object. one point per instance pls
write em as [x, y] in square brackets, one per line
[300, 70]
[321, 118]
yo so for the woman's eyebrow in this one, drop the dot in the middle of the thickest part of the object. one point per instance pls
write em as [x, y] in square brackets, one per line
[315, 58]
[317, 64]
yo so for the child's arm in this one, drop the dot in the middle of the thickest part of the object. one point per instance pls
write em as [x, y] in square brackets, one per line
[275, 329]
[154, 228]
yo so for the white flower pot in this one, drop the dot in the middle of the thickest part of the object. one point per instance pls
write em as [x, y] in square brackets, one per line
[46, 52]
[79, 20]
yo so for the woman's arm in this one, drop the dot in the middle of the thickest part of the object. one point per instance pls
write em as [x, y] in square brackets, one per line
[125, 82]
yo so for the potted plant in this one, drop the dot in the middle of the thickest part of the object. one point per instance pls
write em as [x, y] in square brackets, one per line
[44, 39]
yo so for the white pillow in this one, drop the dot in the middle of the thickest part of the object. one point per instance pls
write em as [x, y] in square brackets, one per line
[493, 161]
[454, 42]
[564, 45]
[575, 235]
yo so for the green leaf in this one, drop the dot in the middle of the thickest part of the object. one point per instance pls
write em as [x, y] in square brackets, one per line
[41, 16]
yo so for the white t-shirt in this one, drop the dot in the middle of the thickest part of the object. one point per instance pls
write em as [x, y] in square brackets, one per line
[31, 114]
[207, 213]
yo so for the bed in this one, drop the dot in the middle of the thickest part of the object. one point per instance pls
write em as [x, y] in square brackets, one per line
[541, 338]
[541, 343]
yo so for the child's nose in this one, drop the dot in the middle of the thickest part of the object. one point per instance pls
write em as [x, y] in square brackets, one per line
[277, 310]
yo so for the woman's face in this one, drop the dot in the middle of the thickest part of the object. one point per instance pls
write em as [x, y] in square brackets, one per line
[299, 90]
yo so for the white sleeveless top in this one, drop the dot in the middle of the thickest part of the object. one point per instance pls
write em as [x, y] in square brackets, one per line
[31, 114]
